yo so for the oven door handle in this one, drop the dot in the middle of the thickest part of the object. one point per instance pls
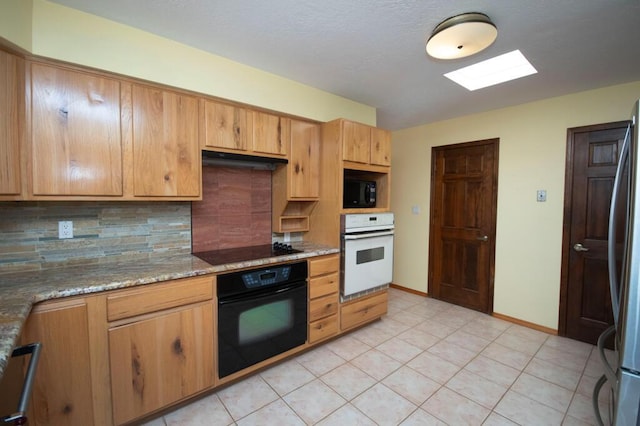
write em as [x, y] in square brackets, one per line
[262, 294]
[367, 235]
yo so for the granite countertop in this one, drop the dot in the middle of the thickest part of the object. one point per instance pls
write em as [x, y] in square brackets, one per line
[20, 291]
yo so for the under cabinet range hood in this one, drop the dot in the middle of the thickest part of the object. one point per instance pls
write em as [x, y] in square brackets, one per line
[227, 159]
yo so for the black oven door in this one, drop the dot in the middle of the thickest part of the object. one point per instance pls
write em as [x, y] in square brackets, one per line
[256, 326]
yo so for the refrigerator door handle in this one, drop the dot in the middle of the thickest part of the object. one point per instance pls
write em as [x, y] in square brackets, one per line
[611, 246]
[595, 398]
[609, 371]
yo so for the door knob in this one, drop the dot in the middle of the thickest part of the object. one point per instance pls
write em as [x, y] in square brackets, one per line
[580, 247]
[483, 238]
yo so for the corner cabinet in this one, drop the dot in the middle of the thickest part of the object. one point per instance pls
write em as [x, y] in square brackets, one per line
[62, 391]
[232, 128]
[11, 122]
[296, 185]
[166, 155]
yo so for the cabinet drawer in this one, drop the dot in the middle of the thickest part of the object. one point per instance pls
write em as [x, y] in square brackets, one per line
[323, 328]
[323, 306]
[322, 286]
[324, 265]
[363, 310]
[167, 295]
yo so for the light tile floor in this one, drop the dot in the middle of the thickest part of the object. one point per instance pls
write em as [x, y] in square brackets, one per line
[425, 363]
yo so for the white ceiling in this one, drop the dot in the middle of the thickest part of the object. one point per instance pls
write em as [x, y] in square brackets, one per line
[373, 51]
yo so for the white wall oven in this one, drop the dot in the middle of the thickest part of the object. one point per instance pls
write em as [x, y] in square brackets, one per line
[367, 252]
[261, 313]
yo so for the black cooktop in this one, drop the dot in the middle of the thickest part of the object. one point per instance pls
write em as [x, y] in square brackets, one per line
[244, 254]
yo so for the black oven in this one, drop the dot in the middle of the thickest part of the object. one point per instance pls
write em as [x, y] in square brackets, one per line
[261, 313]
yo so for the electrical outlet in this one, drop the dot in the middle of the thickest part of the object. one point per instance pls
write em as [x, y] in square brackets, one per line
[65, 229]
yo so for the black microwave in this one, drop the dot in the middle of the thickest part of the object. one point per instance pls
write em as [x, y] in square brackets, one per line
[359, 194]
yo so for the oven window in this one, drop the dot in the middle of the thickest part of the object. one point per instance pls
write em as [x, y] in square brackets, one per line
[369, 255]
[265, 321]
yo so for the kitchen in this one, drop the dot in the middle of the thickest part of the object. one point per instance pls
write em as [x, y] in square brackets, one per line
[523, 289]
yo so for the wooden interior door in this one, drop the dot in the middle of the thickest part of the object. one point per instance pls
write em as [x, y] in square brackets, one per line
[463, 221]
[592, 158]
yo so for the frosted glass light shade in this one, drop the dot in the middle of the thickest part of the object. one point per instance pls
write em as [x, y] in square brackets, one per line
[461, 35]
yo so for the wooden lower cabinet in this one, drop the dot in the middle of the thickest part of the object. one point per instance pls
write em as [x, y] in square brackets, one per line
[62, 392]
[161, 360]
[363, 310]
[324, 297]
[118, 356]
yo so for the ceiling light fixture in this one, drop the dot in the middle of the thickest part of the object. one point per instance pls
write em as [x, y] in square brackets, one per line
[502, 68]
[461, 35]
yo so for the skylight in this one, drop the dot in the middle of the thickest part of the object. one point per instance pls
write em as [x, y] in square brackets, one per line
[500, 69]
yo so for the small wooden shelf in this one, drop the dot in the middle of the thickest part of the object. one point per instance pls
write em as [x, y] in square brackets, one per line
[294, 217]
[293, 224]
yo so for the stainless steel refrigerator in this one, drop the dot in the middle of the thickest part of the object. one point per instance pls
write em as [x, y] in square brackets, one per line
[624, 280]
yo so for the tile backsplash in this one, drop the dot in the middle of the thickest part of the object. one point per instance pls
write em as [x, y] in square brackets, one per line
[235, 210]
[103, 231]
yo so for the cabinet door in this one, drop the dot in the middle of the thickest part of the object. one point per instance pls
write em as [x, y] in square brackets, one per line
[62, 390]
[380, 147]
[161, 360]
[304, 160]
[356, 140]
[166, 155]
[76, 145]
[11, 89]
[225, 126]
[268, 134]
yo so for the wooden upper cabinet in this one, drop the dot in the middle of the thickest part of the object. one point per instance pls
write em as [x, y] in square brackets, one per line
[356, 140]
[76, 146]
[380, 147]
[366, 144]
[225, 126]
[166, 154]
[11, 120]
[304, 161]
[234, 128]
[269, 133]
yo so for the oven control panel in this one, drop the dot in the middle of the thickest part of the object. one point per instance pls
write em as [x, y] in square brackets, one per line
[266, 277]
[366, 222]
[237, 283]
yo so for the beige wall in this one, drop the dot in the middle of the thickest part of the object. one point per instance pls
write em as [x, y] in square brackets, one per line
[532, 156]
[15, 22]
[70, 35]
